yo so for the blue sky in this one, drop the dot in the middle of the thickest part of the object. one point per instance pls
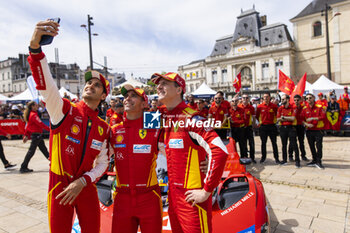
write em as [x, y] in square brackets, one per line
[136, 36]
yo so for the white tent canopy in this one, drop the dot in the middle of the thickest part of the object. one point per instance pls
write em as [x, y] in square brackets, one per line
[64, 90]
[203, 91]
[132, 82]
[324, 85]
[25, 95]
[3, 98]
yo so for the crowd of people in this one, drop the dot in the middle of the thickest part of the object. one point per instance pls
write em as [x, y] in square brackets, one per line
[81, 144]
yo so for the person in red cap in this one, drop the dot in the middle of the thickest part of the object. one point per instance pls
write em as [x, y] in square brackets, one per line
[322, 101]
[117, 115]
[138, 201]
[78, 142]
[186, 145]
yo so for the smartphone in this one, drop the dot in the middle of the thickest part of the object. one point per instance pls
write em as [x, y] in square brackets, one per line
[46, 39]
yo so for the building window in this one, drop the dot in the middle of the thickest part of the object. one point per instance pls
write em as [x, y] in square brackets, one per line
[278, 66]
[197, 74]
[3, 76]
[224, 75]
[265, 70]
[317, 29]
[8, 75]
[15, 89]
[197, 85]
[214, 76]
[191, 87]
[190, 75]
[3, 88]
[9, 86]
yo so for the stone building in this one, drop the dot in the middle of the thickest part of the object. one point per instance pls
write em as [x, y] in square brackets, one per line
[255, 49]
[310, 39]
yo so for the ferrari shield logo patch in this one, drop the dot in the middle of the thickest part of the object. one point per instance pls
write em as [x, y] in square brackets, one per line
[142, 133]
[100, 130]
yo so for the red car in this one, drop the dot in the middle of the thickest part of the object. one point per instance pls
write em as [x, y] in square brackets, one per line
[239, 203]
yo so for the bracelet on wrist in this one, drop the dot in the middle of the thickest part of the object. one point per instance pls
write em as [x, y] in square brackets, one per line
[38, 50]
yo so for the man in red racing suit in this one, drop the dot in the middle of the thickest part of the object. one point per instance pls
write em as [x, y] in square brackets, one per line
[186, 145]
[78, 141]
[137, 199]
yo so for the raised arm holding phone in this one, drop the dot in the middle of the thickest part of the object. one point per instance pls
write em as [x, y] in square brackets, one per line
[78, 141]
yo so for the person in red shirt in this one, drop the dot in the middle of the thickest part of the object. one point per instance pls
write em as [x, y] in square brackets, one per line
[237, 120]
[300, 128]
[322, 101]
[186, 146]
[219, 112]
[111, 110]
[266, 113]
[33, 130]
[117, 116]
[202, 110]
[248, 135]
[191, 102]
[137, 200]
[6, 163]
[78, 142]
[286, 117]
[154, 106]
[313, 119]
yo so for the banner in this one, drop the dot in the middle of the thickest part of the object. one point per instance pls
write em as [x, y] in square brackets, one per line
[285, 84]
[237, 83]
[299, 89]
[13, 126]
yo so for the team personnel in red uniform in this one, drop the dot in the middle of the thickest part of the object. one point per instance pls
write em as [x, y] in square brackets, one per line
[202, 110]
[186, 146]
[111, 110]
[219, 112]
[191, 102]
[237, 125]
[78, 141]
[266, 113]
[313, 119]
[117, 115]
[248, 135]
[300, 128]
[322, 101]
[6, 163]
[33, 130]
[137, 201]
[286, 117]
[154, 106]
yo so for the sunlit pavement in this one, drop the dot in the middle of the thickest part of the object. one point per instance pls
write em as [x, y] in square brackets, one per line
[300, 200]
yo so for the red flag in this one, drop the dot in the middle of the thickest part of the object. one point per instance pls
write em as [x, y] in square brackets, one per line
[285, 84]
[299, 89]
[237, 84]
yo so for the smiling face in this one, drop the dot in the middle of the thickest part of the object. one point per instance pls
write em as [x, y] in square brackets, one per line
[93, 90]
[168, 91]
[133, 103]
[266, 98]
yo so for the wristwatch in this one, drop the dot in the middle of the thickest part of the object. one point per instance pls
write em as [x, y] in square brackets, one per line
[38, 50]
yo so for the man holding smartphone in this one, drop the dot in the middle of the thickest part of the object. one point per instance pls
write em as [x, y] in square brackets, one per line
[78, 138]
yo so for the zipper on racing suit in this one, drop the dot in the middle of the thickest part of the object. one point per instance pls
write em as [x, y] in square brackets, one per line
[89, 123]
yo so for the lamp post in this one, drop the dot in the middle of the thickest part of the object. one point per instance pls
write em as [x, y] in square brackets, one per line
[325, 12]
[90, 23]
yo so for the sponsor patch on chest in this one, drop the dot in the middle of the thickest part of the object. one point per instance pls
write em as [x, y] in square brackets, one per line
[141, 148]
[176, 143]
[72, 139]
[95, 144]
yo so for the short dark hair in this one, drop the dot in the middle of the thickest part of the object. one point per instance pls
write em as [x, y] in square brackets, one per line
[310, 94]
[220, 92]
[268, 93]
[297, 96]
[287, 96]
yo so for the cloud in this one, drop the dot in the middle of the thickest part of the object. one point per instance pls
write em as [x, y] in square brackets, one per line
[136, 36]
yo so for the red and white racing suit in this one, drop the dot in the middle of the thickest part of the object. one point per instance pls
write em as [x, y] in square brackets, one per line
[185, 148]
[137, 198]
[78, 140]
